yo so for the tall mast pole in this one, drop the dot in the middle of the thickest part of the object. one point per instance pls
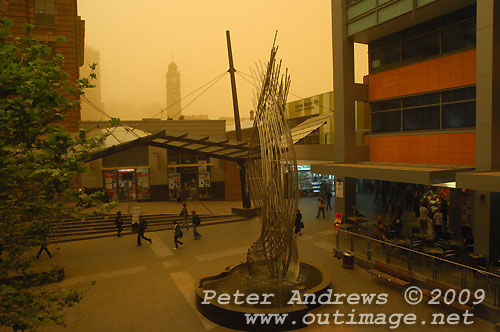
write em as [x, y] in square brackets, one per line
[244, 191]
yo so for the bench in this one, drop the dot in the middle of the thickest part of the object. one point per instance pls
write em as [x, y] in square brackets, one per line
[456, 305]
[391, 274]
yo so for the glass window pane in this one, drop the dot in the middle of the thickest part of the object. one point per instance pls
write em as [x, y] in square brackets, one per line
[459, 15]
[421, 47]
[420, 29]
[427, 99]
[423, 118]
[386, 122]
[386, 105]
[460, 115]
[459, 36]
[459, 94]
[384, 56]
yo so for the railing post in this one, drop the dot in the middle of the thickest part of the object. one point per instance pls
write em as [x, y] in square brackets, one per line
[352, 244]
[337, 239]
[434, 269]
[464, 279]
[410, 267]
[388, 255]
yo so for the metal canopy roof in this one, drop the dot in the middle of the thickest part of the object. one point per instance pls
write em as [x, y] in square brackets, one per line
[122, 138]
[305, 128]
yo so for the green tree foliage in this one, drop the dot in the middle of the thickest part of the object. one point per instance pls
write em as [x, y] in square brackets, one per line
[39, 163]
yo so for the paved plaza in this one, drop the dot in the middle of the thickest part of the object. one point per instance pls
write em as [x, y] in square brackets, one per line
[150, 288]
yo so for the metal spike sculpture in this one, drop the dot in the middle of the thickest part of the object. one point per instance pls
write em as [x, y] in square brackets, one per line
[273, 178]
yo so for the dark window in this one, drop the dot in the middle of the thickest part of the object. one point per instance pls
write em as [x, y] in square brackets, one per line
[383, 56]
[421, 47]
[423, 118]
[427, 99]
[459, 94]
[459, 36]
[420, 29]
[459, 115]
[44, 12]
[459, 15]
[451, 32]
[386, 122]
[386, 105]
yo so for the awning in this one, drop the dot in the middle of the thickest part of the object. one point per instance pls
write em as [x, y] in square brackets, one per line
[305, 128]
[122, 138]
[481, 180]
[406, 173]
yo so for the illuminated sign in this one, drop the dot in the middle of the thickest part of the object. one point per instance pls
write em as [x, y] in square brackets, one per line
[126, 170]
[303, 167]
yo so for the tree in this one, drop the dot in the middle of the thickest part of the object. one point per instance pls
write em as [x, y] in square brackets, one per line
[39, 162]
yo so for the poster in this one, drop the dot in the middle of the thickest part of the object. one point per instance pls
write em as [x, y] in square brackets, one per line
[337, 221]
[339, 188]
[204, 180]
[174, 180]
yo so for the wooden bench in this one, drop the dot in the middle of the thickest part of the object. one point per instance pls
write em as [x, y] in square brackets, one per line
[456, 305]
[392, 274]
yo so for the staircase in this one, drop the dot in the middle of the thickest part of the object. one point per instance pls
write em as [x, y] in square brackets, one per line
[104, 226]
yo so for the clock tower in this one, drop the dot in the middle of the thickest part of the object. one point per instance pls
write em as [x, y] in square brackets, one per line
[173, 92]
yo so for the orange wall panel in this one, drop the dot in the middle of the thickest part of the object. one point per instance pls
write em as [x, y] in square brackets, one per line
[444, 149]
[438, 74]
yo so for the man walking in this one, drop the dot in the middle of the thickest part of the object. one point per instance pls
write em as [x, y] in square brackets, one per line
[140, 232]
[43, 247]
[328, 195]
[321, 207]
[177, 235]
[119, 223]
[185, 216]
[196, 223]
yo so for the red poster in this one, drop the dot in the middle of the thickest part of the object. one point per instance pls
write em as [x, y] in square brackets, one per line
[337, 221]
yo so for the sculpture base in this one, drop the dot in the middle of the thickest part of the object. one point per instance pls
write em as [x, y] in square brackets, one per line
[248, 213]
[231, 298]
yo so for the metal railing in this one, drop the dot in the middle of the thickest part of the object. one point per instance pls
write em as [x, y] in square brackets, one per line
[422, 264]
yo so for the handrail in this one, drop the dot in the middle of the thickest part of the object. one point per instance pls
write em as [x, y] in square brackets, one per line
[420, 253]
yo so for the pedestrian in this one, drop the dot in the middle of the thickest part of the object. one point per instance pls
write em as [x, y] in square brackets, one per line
[328, 195]
[119, 223]
[437, 222]
[321, 207]
[177, 235]
[423, 214]
[43, 247]
[298, 223]
[140, 231]
[185, 216]
[196, 223]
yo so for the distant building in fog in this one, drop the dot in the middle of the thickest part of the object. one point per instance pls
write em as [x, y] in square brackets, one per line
[88, 112]
[196, 117]
[173, 79]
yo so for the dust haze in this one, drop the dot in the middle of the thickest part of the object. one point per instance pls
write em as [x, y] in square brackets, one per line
[137, 41]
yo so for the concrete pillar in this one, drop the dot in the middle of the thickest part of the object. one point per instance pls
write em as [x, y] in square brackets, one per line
[487, 114]
[344, 108]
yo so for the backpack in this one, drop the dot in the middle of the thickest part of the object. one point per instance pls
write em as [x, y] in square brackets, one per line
[178, 231]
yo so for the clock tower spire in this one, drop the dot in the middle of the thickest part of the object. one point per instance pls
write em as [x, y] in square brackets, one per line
[173, 92]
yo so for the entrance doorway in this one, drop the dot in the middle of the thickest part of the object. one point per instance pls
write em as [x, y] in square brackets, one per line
[189, 185]
[126, 185]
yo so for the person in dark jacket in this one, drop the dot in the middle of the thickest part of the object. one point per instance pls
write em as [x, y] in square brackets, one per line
[185, 215]
[43, 247]
[196, 223]
[119, 223]
[140, 232]
[177, 235]
[298, 223]
[328, 196]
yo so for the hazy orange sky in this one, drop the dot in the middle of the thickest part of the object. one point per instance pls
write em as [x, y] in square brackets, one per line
[136, 42]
